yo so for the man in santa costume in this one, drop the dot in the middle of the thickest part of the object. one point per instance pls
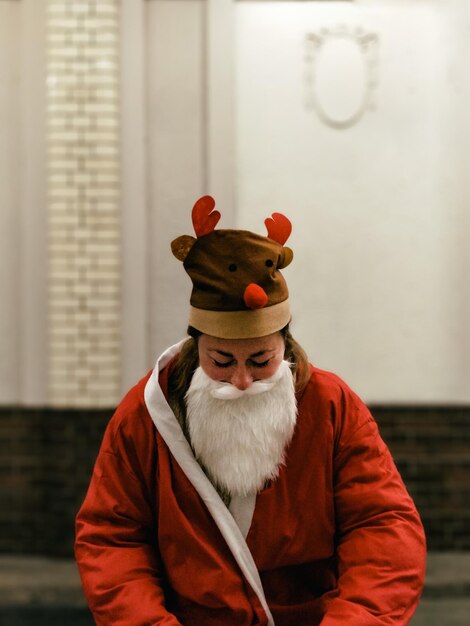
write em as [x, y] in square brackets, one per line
[238, 485]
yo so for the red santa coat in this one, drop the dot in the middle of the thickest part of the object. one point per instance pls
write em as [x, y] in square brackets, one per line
[335, 540]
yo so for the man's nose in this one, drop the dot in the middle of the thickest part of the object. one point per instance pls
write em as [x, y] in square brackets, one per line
[241, 378]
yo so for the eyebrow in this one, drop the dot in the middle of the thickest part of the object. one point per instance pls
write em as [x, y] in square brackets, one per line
[230, 355]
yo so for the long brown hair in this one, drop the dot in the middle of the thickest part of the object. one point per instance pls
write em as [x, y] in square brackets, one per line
[188, 360]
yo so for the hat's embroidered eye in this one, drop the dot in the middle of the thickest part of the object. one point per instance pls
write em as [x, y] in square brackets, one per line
[232, 267]
[269, 263]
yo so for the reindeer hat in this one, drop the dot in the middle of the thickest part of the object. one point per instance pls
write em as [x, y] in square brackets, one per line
[238, 290]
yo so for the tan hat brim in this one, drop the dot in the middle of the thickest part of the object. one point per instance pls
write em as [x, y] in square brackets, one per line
[241, 324]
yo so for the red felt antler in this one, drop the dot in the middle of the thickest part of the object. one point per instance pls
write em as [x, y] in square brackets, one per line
[279, 228]
[204, 217]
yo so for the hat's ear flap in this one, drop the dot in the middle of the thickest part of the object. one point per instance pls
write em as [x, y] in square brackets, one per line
[286, 258]
[181, 246]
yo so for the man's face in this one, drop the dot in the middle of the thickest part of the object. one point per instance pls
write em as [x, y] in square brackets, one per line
[241, 362]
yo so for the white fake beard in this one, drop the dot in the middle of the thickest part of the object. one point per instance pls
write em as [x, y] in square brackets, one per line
[240, 436]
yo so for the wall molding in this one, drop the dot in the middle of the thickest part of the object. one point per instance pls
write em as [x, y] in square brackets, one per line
[134, 201]
[220, 87]
[367, 44]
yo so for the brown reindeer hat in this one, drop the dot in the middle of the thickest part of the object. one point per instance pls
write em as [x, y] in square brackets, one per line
[238, 290]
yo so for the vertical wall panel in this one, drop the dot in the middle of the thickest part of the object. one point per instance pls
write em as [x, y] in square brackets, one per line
[220, 89]
[10, 236]
[83, 202]
[176, 152]
[23, 263]
[33, 306]
[134, 215]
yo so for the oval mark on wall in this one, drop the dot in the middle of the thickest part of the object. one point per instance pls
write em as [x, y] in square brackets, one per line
[340, 78]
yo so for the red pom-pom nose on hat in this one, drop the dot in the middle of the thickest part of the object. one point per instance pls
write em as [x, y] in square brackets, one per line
[255, 297]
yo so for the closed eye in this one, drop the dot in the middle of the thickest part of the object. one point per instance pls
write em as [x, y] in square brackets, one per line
[219, 364]
[257, 364]
[230, 363]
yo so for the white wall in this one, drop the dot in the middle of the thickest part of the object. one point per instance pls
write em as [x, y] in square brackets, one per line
[189, 100]
[378, 209]
[175, 75]
[9, 200]
[380, 277]
[23, 300]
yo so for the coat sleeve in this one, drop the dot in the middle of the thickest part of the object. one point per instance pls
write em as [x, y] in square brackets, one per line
[116, 531]
[380, 540]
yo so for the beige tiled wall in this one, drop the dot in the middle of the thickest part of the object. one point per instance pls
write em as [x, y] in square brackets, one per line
[83, 202]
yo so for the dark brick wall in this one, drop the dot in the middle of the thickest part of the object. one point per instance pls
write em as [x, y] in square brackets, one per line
[431, 447]
[46, 459]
